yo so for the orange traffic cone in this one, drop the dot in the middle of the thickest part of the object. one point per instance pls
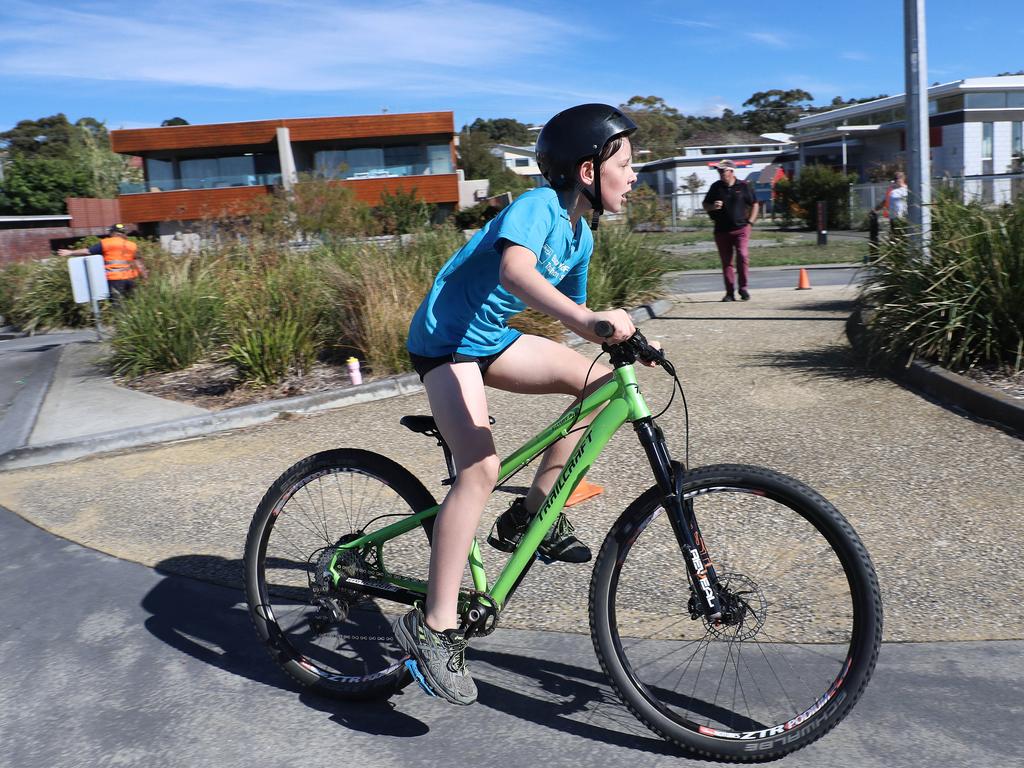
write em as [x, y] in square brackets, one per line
[585, 490]
[804, 283]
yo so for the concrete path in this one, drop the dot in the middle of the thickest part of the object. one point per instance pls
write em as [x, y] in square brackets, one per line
[83, 397]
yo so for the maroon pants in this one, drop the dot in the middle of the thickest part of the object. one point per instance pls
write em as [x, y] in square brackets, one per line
[737, 241]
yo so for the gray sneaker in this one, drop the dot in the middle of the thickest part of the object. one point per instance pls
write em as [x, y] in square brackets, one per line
[440, 658]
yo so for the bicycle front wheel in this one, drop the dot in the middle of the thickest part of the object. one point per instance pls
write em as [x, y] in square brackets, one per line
[338, 642]
[797, 642]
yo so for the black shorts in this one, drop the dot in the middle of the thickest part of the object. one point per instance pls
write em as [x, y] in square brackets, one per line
[424, 365]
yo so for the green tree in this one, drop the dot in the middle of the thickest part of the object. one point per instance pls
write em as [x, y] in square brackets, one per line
[475, 156]
[479, 162]
[174, 121]
[772, 110]
[504, 130]
[51, 159]
[39, 185]
[658, 126]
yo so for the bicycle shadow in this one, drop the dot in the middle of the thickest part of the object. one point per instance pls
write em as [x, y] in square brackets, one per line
[565, 697]
[210, 623]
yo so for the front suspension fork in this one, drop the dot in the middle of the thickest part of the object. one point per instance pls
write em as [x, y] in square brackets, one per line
[670, 475]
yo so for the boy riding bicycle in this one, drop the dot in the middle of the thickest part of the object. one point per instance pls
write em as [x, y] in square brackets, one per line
[535, 253]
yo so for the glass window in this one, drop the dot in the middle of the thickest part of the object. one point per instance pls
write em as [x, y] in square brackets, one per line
[210, 172]
[365, 161]
[1017, 140]
[198, 173]
[986, 141]
[951, 103]
[522, 162]
[996, 100]
[404, 161]
[439, 158]
[1015, 99]
[330, 163]
[160, 175]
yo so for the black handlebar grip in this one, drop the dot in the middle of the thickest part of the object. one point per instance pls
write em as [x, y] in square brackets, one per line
[604, 329]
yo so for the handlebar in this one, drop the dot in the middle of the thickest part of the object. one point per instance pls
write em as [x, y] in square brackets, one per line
[626, 352]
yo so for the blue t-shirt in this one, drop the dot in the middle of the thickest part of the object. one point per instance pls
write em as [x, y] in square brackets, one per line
[467, 309]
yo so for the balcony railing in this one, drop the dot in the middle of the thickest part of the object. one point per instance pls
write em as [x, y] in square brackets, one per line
[209, 182]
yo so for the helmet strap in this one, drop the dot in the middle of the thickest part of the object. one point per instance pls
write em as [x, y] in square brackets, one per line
[594, 198]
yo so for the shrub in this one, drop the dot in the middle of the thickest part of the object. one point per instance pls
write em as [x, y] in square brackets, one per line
[274, 316]
[268, 347]
[168, 324]
[799, 199]
[475, 216]
[315, 207]
[965, 306]
[13, 278]
[41, 298]
[644, 209]
[402, 212]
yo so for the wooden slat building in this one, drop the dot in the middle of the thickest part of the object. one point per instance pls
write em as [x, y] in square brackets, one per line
[195, 172]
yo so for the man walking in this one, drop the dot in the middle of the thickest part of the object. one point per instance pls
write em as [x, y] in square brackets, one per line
[733, 207]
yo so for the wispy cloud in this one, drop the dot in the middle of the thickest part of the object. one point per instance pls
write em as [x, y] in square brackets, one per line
[854, 56]
[769, 38]
[694, 23]
[279, 45]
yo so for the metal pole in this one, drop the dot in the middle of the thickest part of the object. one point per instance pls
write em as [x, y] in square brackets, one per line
[918, 166]
[92, 300]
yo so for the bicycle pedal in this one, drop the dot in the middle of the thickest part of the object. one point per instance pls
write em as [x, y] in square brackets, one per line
[414, 670]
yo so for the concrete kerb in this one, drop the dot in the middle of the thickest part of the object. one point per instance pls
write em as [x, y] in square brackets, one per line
[949, 388]
[235, 418]
[16, 426]
[231, 418]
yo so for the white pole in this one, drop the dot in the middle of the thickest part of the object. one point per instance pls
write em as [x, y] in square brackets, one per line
[918, 165]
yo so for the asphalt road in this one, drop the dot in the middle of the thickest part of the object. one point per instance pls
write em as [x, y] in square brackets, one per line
[760, 279]
[105, 662]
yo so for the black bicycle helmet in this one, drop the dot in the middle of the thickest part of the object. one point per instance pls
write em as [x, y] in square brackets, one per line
[577, 134]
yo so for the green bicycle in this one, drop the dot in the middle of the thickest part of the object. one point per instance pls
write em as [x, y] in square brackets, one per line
[734, 610]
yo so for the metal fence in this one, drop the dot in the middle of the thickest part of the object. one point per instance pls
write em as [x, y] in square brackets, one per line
[997, 189]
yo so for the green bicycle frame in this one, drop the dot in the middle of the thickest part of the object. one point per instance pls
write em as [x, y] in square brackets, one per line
[622, 402]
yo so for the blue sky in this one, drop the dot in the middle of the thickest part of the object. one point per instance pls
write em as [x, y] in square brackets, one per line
[136, 64]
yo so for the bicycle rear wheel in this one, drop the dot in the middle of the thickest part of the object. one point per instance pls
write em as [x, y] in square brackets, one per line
[790, 657]
[338, 642]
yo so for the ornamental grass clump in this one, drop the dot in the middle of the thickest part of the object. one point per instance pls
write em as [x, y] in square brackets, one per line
[274, 318]
[623, 271]
[38, 297]
[170, 322]
[378, 288]
[962, 308]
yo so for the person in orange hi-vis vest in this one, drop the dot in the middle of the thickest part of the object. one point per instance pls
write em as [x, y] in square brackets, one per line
[121, 259]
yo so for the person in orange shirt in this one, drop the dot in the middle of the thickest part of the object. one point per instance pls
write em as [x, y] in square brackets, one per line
[121, 259]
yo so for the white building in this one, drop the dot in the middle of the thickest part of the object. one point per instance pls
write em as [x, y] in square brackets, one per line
[521, 160]
[976, 130]
[672, 178]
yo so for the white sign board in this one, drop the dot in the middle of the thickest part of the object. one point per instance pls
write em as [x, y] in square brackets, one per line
[88, 278]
